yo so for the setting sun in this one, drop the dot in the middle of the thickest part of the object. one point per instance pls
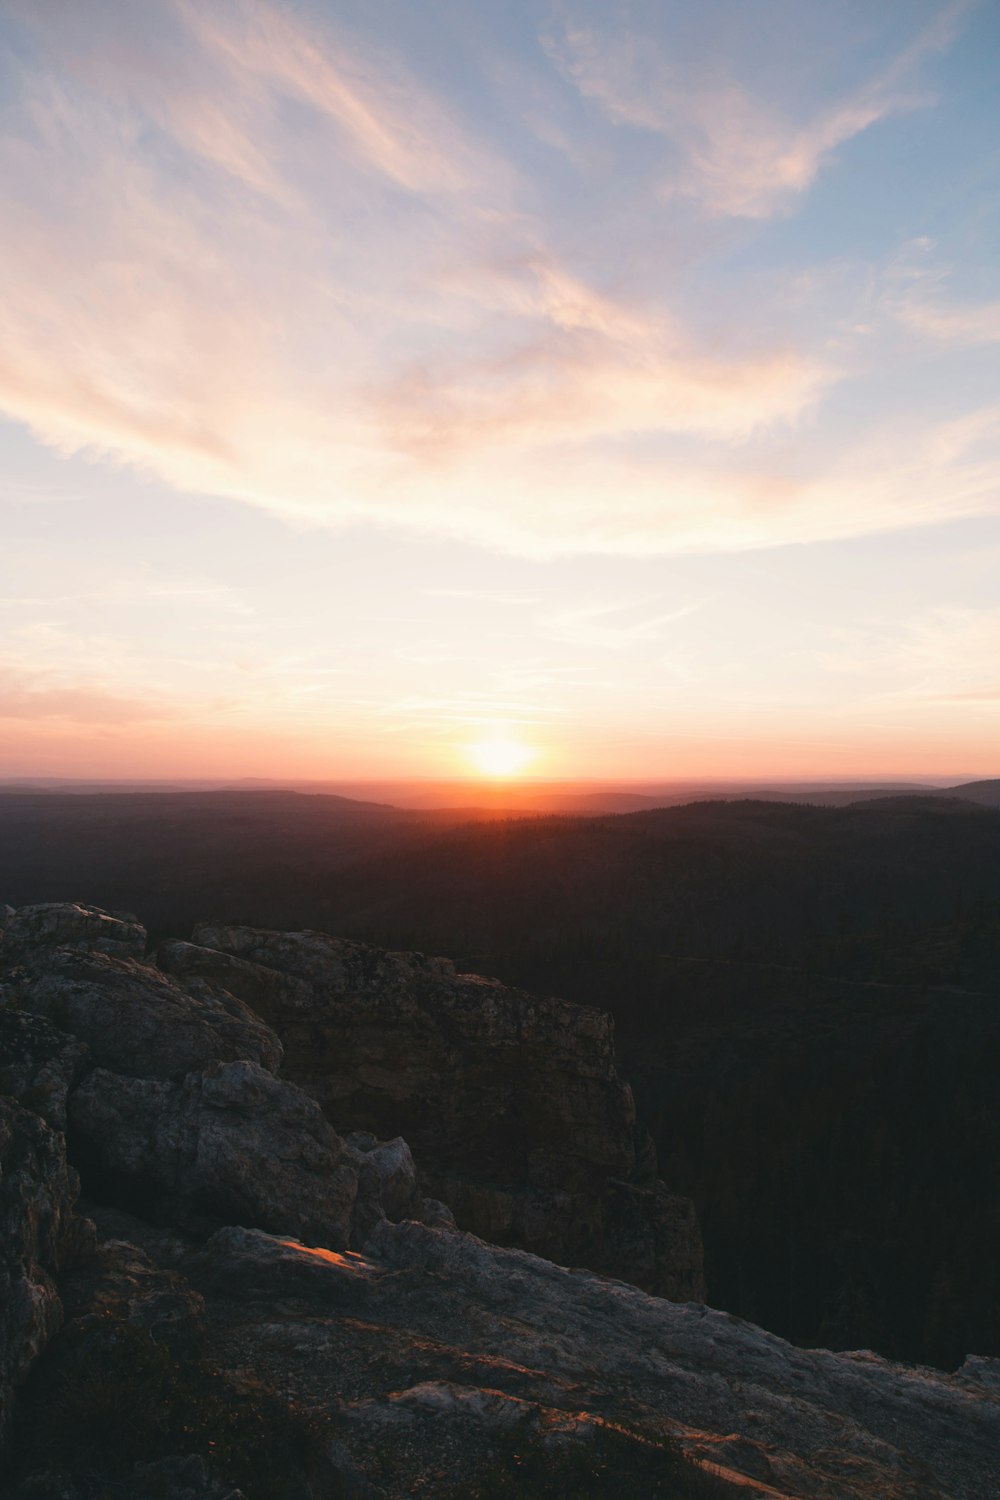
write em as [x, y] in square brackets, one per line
[500, 756]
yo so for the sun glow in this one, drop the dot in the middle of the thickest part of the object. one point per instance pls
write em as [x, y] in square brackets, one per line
[500, 756]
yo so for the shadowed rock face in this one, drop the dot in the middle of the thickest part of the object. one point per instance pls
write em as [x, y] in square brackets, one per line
[39, 1064]
[512, 1104]
[37, 1193]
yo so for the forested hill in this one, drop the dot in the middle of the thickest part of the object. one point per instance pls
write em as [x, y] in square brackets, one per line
[901, 889]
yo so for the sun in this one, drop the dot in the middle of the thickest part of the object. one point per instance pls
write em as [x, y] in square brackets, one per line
[500, 756]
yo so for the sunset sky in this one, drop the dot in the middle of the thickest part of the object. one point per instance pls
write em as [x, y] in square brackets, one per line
[618, 381]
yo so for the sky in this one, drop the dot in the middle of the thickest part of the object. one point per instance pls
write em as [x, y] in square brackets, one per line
[614, 381]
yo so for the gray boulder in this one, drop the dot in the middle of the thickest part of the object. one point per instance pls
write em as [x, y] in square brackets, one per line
[229, 1144]
[135, 1020]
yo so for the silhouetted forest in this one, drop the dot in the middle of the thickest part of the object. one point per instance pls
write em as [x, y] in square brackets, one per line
[807, 1001]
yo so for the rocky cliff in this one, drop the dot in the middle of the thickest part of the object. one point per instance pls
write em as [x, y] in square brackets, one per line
[511, 1104]
[259, 1291]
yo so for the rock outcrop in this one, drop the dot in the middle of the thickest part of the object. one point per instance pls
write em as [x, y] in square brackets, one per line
[66, 924]
[257, 1309]
[511, 1104]
[169, 1096]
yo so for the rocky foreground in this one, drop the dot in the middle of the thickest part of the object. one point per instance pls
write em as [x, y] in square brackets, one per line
[259, 1294]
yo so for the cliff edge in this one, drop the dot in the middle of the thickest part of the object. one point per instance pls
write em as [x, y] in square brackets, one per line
[260, 1295]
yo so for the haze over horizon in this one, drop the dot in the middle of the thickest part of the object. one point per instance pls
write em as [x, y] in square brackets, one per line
[568, 391]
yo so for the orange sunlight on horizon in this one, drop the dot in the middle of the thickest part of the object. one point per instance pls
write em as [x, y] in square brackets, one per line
[500, 757]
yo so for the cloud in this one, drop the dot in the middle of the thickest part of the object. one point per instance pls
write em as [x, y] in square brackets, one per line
[736, 153]
[29, 695]
[952, 323]
[973, 695]
[483, 596]
[217, 79]
[259, 258]
[946, 655]
[951, 654]
[745, 161]
[391, 124]
[486, 707]
[559, 391]
[602, 626]
[917, 297]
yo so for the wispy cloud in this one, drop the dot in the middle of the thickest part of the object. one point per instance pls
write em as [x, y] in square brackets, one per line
[917, 296]
[213, 597]
[29, 695]
[989, 694]
[255, 254]
[481, 708]
[592, 383]
[613, 626]
[482, 596]
[388, 121]
[951, 322]
[153, 327]
[947, 654]
[737, 154]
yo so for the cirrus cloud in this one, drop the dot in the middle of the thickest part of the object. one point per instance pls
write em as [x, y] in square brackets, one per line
[735, 153]
[260, 257]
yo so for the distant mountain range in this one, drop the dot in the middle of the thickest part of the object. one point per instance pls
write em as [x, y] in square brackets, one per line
[478, 799]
